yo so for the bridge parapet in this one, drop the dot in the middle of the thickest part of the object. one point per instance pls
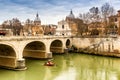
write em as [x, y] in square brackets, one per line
[6, 38]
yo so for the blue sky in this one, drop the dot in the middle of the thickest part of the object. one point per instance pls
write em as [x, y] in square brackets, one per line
[50, 11]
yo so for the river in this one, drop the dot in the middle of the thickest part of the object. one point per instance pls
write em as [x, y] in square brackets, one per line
[68, 67]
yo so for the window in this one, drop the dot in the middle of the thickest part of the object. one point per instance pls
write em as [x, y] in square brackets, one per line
[62, 26]
[115, 19]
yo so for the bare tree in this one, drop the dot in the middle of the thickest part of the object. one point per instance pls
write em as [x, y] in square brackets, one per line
[107, 10]
[94, 14]
[85, 17]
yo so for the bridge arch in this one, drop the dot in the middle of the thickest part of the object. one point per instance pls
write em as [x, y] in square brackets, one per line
[8, 55]
[7, 50]
[56, 46]
[34, 49]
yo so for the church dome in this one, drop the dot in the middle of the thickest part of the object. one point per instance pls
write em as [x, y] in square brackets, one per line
[37, 19]
[71, 15]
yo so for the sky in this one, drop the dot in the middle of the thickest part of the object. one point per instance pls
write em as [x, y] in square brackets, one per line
[50, 11]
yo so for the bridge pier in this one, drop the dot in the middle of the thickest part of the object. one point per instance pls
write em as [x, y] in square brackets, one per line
[12, 63]
[49, 54]
[66, 50]
[20, 64]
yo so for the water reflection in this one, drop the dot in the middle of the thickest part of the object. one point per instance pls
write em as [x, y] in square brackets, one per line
[68, 70]
[69, 74]
[47, 74]
[11, 75]
[97, 68]
[68, 67]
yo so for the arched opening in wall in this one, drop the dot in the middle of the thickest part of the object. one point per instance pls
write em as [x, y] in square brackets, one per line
[6, 50]
[56, 46]
[68, 43]
[35, 49]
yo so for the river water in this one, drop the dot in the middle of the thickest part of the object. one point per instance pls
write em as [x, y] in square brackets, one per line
[68, 67]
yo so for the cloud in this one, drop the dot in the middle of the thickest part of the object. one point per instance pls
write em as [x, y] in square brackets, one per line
[50, 11]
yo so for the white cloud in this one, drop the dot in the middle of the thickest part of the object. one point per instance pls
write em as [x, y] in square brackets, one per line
[50, 11]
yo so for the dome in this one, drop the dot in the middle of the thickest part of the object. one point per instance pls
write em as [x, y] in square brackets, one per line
[37, 18]
[71, 15]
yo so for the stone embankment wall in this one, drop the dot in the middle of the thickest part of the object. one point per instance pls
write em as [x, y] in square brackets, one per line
[98, 45]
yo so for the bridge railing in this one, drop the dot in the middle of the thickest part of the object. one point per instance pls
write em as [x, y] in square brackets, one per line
[29, 37]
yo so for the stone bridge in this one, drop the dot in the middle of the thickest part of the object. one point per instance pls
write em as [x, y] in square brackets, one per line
[14, 49]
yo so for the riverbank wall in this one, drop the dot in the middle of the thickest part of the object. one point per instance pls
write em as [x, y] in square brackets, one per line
[97, 46]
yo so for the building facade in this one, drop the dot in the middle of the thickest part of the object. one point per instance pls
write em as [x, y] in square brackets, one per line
[33, 27]
[96, 28]
[49, 29]
[63, 28]
[71, 26]
[114, 23]
[76, 25]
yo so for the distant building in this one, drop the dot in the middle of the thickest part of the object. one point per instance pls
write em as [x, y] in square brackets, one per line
[71, 26]
[33, 27]
[13, 25]
[49, 29]
[37, 28]
[27, 29]
[63, 28]
[76, 25]
[70, 19]
[6, 25]
[96, 28]
[114, 23]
